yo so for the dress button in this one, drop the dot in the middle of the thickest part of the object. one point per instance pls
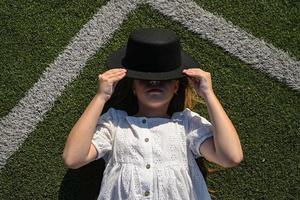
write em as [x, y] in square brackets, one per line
[146, 139]
[148, 166]
[144, 121]
[146, 193]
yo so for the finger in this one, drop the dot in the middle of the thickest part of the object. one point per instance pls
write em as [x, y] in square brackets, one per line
[191, 82]
[193, 75]
[117, 77]
[188, 71]
[194, 72]
[113, 71]
[194, 69]
[116, 70]
[108, 76]
[112, 76]
[115, 82]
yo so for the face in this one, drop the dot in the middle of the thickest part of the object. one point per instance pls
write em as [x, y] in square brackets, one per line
[155, 93]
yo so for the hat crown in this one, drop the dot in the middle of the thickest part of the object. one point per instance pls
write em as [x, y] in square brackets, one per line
[152, 50]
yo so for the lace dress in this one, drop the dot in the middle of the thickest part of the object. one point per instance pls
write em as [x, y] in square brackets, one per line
[151, 158]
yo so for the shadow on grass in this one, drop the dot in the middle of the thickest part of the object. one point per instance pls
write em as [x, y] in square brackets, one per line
[83, 183]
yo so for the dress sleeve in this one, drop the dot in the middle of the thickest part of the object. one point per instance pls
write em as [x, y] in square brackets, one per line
[104, 133]
[198, 130]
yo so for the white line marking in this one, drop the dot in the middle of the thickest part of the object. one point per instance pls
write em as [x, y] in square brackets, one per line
[233, 39]
[23, 118]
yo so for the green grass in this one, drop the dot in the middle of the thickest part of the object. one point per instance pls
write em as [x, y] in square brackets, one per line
[33, 33]
[265, 113]
[275, 21]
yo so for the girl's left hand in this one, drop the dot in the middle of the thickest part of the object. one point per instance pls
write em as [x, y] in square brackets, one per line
[200, 80]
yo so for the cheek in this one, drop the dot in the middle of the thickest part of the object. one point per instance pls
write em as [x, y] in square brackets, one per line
[170, 91]
[174, 87]
[139, 89]
[136, 86]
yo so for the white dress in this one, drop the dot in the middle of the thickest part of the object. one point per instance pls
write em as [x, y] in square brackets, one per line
[151, 158]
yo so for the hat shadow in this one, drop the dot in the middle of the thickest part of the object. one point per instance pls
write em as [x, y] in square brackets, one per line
[82, 183]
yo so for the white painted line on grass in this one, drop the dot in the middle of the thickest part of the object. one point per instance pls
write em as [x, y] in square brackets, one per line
[261, 55]
[23, 118]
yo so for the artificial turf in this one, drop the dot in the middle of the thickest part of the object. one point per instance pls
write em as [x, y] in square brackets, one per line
[266, 114]
[32, 34]
[274, 21]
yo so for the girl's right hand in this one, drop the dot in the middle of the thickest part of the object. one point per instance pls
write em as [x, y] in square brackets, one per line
[108, 81]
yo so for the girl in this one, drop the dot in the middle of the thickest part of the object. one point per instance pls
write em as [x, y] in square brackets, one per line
[148, 136]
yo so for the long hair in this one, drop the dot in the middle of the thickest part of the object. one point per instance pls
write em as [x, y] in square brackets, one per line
[124, 99]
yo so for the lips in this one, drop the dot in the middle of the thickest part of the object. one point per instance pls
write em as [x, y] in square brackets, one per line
[155, 90]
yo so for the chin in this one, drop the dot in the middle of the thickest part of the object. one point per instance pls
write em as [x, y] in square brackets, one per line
[155, 104]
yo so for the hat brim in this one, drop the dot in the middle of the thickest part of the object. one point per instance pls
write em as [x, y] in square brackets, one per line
[114, 61]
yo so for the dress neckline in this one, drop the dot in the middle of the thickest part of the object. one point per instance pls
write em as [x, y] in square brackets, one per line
[154, 118]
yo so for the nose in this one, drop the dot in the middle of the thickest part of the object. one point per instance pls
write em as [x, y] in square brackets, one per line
[154, 83]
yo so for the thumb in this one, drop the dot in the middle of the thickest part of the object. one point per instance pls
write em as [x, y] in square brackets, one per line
[192, 82]
[114, 85]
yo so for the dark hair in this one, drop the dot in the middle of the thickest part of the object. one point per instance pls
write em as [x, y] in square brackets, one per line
[124, 99]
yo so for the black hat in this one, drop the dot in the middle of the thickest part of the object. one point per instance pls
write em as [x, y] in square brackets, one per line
[152, 54]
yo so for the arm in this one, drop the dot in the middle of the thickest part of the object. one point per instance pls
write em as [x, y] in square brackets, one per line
[224, 148]
[79, 149]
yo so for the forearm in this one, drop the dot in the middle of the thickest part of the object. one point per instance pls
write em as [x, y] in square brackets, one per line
[226, 140]
[79, 140]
